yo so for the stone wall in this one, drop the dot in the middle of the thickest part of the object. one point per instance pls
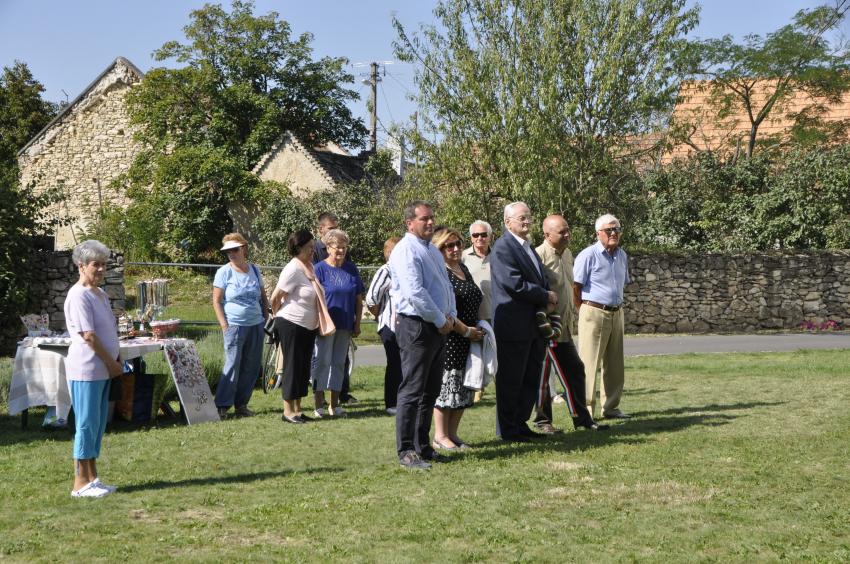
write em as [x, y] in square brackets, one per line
[735, 292]
[85, 149]
[60, 273]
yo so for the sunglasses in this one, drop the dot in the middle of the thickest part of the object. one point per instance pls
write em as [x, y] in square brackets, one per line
[610, 230]
[453, 244]
[477, 235]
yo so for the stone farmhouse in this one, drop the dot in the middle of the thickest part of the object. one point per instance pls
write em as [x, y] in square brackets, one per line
[304, 169]
[91, 142]
[85, 148]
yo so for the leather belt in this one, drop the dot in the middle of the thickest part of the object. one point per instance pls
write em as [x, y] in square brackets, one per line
[600, 306]
[413, 317]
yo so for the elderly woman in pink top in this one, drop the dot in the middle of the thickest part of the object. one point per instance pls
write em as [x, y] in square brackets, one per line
[91, 364]
[294, 303]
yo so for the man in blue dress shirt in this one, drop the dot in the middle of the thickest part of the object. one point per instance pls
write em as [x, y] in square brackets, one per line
[424, 302]
[599, 274]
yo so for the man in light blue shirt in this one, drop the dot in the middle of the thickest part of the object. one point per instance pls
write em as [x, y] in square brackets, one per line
[424, 302]
[599, 274]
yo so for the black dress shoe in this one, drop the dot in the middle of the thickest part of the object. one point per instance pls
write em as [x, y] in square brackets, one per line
[515, 439]
[597, 427]
[304, 418]
[528, 433]
[549, 429]
[434, 456]
[295, 419]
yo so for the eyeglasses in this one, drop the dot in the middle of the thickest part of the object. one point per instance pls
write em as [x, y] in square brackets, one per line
[233, 250]
[453, 244]
[477, 235]
[340, 249]
[609, 230]
[523, 218]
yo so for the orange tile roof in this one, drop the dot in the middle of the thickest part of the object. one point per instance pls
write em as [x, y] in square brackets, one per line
[713, 134]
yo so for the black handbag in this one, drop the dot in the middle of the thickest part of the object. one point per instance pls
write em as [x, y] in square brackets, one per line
[116, 392]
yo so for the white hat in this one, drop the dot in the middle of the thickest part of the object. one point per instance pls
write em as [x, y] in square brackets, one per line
[231, 245]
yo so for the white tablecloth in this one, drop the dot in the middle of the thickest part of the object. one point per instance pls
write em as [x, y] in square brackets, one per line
[38, 377]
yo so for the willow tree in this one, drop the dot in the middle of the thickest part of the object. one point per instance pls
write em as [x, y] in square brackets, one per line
[540, 100]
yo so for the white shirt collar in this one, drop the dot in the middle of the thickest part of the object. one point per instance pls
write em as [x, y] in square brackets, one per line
[524, 242]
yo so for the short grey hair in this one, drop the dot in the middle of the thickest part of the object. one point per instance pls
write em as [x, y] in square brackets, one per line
[509, 208]
[90, 250]
[480, 222]
[336, 236]
[410, 209]
[605, 219]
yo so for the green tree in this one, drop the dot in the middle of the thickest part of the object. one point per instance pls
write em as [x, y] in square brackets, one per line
[23, 113]
[204, 126]
[540, 100]
[24, 218]
[792, 75]
[799, 200]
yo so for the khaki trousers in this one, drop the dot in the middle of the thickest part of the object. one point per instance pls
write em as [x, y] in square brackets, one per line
[600, 343]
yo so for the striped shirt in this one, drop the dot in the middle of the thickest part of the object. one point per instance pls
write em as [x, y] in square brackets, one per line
[379, 293]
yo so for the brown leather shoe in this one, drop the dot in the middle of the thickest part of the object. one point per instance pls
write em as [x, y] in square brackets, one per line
[549, 429]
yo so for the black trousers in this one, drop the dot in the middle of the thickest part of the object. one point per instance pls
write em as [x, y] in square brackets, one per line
[296, 346]
[520, 363]
[392, 375]
[422, 352]
[573, 368]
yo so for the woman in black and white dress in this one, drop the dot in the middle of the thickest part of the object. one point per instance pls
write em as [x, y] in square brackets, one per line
[454, 397]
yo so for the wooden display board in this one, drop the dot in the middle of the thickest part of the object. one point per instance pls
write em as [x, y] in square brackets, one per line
[190, 380]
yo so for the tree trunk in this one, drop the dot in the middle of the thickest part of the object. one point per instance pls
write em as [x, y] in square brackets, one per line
[752, 144]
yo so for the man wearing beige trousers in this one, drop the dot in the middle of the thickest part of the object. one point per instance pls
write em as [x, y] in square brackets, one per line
[600, 272]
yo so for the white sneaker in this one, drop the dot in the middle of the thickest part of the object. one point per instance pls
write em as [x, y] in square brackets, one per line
[339, 412]
[559, 399]
[391, 410]
[91, 490]
[110, 489]
[320, 413]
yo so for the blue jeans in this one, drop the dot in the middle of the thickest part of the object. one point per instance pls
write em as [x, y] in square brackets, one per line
[91, 402]
[243, 355]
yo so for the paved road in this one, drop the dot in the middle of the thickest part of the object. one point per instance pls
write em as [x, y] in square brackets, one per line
[635, 346]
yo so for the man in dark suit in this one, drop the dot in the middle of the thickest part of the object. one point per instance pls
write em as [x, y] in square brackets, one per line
[520, 288]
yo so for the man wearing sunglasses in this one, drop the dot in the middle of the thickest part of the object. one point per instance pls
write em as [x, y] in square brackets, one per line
[477, 260]
[520, 287]
[599, 273]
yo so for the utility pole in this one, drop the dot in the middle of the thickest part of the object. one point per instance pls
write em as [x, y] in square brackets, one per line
[372, 82]
[373, 131]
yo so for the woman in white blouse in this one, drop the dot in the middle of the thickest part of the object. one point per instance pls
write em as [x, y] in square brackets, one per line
[381, 306]
[294, 303]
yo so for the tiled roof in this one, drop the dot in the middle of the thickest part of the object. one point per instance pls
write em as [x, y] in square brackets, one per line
[334, 163]
[714, 134]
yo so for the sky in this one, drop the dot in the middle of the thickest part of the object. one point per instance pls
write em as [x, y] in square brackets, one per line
[68, 44]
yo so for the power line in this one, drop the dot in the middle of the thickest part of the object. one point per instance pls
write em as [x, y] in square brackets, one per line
[388, 104]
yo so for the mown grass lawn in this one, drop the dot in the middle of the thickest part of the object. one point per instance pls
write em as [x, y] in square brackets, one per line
[730, 458]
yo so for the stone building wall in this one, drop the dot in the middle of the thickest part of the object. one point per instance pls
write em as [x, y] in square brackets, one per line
[59, 274]
[735, 292]
[290, 162]
[85, 148]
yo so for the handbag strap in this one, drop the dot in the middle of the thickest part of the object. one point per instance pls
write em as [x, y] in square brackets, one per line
[324, 316]
[257, 276]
